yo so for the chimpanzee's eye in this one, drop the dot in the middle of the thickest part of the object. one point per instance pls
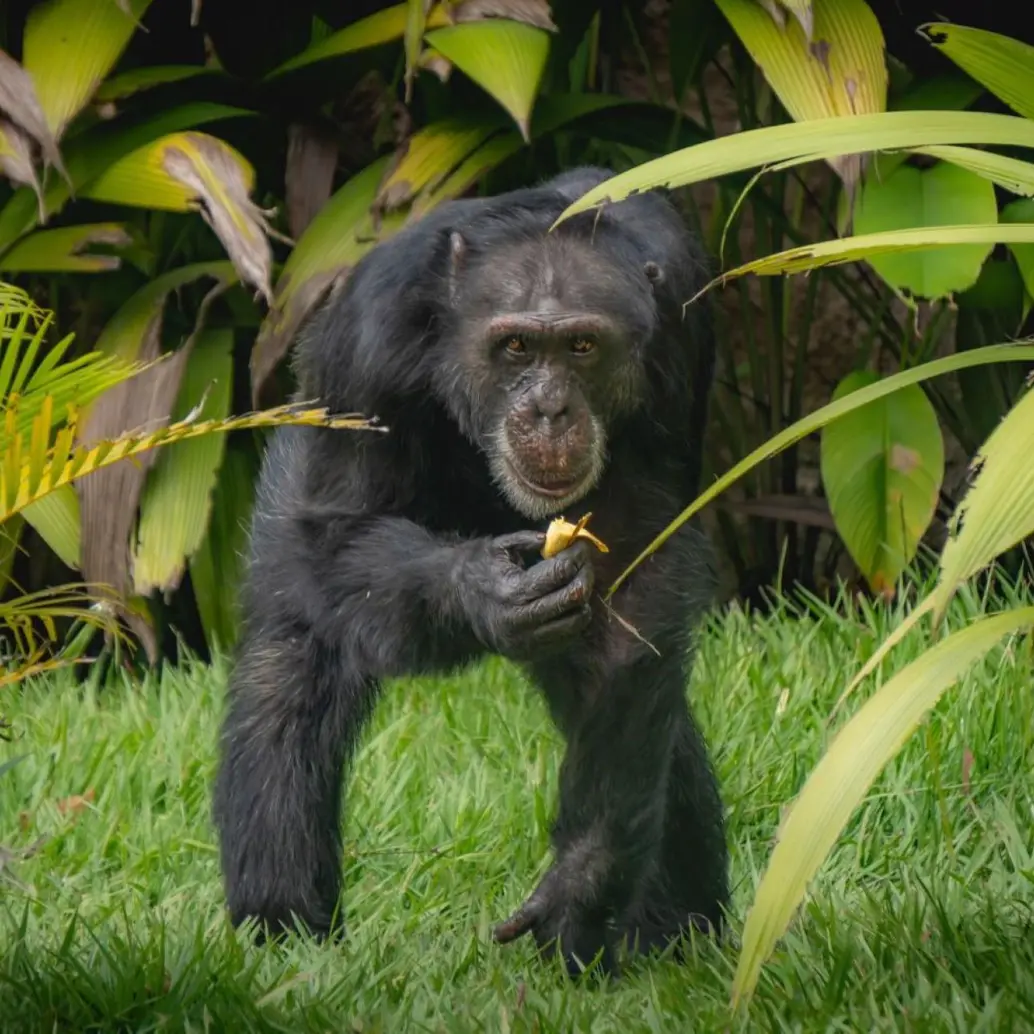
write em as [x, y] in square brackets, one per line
[583, 346]
[515, 346]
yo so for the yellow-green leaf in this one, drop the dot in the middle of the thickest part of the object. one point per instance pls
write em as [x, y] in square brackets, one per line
[799, 142]
[56, 518]
[850, 249]
[839, 70]
[69, 46]
[89, 153]
[136, 80]
[1020, 352]
[882, 468]
[23, 483]
[430, 155]
[177, 497]
[997, 511]
[372, 31]
[195, 171]
[1021, 211]
[65, 250]
[1002, 64]
[1011, 173]
[505, 58]
[943, 195]
[839, 782]
[216, 568]
[340, 234]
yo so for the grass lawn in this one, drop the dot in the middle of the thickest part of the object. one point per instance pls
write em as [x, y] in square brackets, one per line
[922, 920]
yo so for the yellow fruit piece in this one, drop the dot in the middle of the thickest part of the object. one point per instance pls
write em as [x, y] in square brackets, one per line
[560, 534]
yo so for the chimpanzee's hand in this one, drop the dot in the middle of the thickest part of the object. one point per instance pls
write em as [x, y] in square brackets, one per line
[559, 923]
[522, 612]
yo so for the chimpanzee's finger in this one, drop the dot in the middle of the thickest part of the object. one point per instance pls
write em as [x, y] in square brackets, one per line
[563, 627]
[549, 576]
[521, 541]
[519, 923]
[572, 596]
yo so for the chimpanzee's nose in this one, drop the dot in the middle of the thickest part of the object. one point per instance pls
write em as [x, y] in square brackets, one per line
[551, 405]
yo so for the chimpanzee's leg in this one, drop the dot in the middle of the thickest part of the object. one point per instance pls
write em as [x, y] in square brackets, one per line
[295, 714]
[689, 883]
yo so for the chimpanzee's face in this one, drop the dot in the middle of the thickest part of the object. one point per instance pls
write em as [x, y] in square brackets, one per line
[545, 353]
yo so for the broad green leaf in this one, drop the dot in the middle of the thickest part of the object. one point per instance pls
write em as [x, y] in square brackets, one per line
[840, 781]
[882, 467]
[943, 195]
[505, 58]
[937, 93]
[88, 154]
[816, 139]
[140, 315]
[1011, 173]
[69, 46]
[136, 80]
[997, 511]
[56, 518]
[1021, 211]
[376, 29]
[189, 171]
[430, 155]
[1020, 352]
[10, 536]
[844, 73]
[177, 497]
[216, 568]
[1002, 64]
[340, 234]
[850, 249]
[65, 250]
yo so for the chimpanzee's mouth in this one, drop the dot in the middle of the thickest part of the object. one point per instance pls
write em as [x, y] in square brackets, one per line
[555, 489]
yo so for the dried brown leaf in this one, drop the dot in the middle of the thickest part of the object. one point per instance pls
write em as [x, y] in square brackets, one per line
[109, 498]
[20, 105]
[312, 156]
[76, 802]
[16, 160]
[221, 189]
[534, 12]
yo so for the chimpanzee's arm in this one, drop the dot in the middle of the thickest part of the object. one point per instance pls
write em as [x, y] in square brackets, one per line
[399, 599]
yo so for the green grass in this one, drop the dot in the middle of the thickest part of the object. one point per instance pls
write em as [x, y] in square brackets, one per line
[922, 919]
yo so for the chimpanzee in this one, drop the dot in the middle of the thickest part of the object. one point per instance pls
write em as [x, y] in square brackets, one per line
[523, 373]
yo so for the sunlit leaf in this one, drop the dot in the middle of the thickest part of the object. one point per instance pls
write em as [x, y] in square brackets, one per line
[136, 80]
[840, 781]
[1011, 173]
[56, 518]
[429, 155]
[196, 172]
[838, 68]
[1021, 352]
[342, 232]
[1001, 63]
[798, 142]
[850, 249]
[69, 46]
[505, 58]
[66, 250]
[177, 497]
[943, 195]
[1021, 211]
[882, 468]
[216, 568]
[88, 154]
[997, 511]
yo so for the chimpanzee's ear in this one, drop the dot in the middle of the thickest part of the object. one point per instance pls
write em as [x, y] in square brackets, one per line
[457, 254]
[654, 273]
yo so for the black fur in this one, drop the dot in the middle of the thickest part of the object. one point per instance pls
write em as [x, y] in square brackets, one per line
[379, 555]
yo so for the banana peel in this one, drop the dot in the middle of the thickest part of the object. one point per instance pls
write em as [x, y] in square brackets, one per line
[560, 534]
